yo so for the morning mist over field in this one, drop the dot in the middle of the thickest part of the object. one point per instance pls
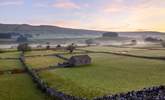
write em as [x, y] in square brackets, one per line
[82, 49]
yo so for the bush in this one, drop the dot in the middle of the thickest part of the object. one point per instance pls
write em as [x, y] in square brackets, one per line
[152, 39]
[24, 47]
[110, 34]
[1, 51]
[71, 48]
[89, 42]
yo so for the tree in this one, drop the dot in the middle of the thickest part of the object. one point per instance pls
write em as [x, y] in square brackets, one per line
[110, 34]
[22, 38]
[24, 47]
[71, 48]
[89, 42]
[48, 45]
[133, 42]
[152, 39]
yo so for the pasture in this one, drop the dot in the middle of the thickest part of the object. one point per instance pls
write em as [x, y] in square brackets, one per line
[42, 62]
[19, 87]
[128, 50]
[108, 74]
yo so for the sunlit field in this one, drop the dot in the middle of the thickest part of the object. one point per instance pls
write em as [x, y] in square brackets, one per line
[108, 74]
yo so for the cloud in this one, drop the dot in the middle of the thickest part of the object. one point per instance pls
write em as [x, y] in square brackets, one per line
[132, 5]
[66, 4]
[11, 2]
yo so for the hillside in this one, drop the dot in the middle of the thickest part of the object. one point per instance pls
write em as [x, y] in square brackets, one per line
[49, 32]
[45, 29]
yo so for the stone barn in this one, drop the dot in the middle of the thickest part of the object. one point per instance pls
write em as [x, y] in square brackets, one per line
[77, 61]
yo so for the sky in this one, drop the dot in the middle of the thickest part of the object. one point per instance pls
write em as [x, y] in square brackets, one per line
[108, 15]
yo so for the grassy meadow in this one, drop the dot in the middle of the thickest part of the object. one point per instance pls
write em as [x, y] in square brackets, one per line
[133, 51]
[10, 55]
[108, 74]
[42, 52]
[10, 64]
[19, 87]
[42, 62]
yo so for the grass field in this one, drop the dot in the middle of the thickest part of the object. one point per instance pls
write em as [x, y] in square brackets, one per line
[45, 52]
[9, 64]
[10, 55]
[133, 51]
[108, 74]
[41, 62]
[19, 87]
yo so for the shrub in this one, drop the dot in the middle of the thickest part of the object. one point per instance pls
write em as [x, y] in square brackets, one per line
[89, 42]
[110, 34]
[24, 47]
[71, 48]
[152, 39]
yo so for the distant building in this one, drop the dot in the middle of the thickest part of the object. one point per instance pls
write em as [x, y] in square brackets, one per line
[77, 61]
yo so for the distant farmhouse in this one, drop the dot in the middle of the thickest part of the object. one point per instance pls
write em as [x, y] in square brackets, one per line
[77, 61]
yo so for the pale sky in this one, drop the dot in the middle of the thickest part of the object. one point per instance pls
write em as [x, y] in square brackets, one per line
[109, 15]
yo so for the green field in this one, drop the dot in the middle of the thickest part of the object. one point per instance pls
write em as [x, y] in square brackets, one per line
[108, 74]
[9, 64]
[42, 62]
[42, 52]
[132, 51]
[10, 55]
[19, 87]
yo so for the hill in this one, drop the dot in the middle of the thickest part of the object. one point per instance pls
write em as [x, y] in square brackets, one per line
[49, 32]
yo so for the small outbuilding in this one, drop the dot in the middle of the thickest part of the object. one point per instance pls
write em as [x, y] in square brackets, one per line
[77, 60]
